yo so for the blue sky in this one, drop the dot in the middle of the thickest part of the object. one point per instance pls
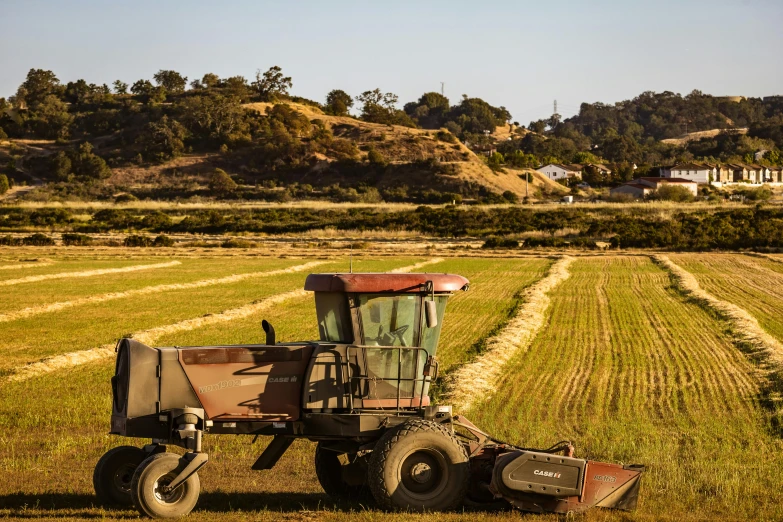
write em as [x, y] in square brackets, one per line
[521, 54]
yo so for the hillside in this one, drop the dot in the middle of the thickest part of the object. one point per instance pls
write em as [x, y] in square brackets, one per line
[229, 139]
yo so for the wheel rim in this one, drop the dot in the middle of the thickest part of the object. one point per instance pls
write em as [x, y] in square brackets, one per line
[167, 497]
[123, 477]
[423, 473]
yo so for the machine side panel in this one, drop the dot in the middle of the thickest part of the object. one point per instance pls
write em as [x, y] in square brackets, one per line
[248, 383]
[175, 389]
[611, 485]
[142, 378]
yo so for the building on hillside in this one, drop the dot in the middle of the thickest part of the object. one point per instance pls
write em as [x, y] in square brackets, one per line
[643, 187]
[697, 172]
[657, 183]
[600, 168]
[634, 189]
[775, 175]
[557, 171]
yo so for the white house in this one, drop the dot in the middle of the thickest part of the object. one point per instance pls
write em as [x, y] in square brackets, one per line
[642, 187]
[636, 190]
[558, 171]
[691, 172]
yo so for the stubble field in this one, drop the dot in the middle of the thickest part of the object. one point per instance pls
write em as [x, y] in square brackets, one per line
[626, 365]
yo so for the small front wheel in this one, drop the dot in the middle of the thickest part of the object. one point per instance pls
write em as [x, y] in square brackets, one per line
[149, 488]
[113, 475]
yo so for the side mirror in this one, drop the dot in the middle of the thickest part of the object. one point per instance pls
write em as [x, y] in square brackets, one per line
[270, 332]
[431, 313]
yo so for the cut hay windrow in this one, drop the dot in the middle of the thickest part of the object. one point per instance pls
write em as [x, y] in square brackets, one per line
[745, 327]
[54, 307]
[87, 273]
[480, 377]
[150, 336]
[22, 266]
[69, 360]
[411, 268]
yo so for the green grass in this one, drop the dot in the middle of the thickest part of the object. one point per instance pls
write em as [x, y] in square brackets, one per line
[752, 283]
[23, 295]
[625, 367]
[631, 372]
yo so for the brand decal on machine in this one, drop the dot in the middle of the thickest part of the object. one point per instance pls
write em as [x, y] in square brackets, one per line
[219, 386]
[550, 474]
[283, 379]
[605, 478]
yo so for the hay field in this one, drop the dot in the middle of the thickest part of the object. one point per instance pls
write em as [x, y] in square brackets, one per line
[622, 363]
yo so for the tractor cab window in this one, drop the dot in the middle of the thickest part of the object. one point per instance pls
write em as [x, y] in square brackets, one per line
[334, 319]
[390, 320]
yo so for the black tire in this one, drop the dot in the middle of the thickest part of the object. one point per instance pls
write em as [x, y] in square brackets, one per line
[331, 475]
[419, 466]
[113, 475]
[159, 470]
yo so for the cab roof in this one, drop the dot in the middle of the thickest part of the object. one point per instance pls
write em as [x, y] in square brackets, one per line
[384, 283]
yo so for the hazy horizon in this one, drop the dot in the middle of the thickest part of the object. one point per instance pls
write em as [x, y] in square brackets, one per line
[518, 54]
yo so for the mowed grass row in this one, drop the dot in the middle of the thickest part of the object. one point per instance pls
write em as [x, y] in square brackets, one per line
[54, 265]
[633, 373]
[77, 404]
[88, 326]
[24, 295]
[752, 283]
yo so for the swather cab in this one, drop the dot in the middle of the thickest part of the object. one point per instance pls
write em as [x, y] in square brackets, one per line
[361, 391]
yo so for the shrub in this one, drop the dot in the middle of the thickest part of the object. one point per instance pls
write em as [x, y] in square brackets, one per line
[220, 181]
[4, 185]
[137, 241]
[156, 221]
[9, 240]
[754, 194]
[499, 242]
[376, 158]
[358, 245]
[446, 136]
[163, 241]
[237, 243]
[672, 193]
[77, 240]
[125, 198]
[38, 239]
[511, 197]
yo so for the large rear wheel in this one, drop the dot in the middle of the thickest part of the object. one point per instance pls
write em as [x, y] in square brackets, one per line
[149, 492]
[419, 466]
[113, 475]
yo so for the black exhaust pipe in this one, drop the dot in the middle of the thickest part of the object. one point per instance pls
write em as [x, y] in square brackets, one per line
[270, 332]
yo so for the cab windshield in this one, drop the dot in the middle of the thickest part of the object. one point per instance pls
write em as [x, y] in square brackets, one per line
[390, 320]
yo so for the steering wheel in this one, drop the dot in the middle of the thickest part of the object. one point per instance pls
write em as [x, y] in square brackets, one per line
[390, 336]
